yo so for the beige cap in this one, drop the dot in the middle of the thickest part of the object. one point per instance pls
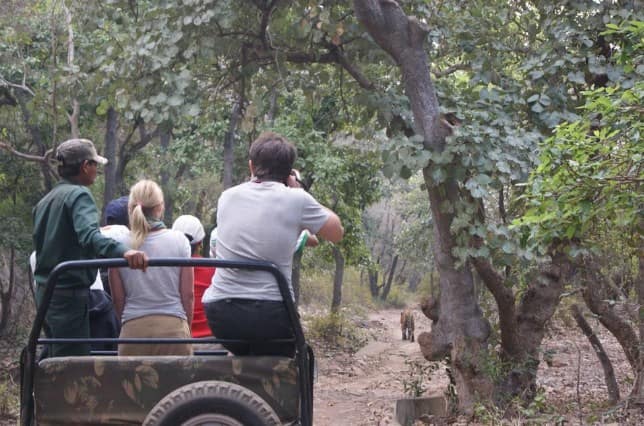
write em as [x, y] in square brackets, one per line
[75, 151]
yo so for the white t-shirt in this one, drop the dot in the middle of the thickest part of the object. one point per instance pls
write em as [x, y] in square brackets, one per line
[96, 285]
[260, 221]
[155, 291]
[120, 233]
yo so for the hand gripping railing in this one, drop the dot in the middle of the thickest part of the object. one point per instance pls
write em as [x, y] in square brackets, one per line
[28, 358]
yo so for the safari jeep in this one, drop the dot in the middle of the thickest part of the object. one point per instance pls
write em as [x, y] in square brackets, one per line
[207, 388]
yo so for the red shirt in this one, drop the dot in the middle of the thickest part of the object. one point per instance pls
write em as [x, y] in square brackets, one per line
[203, 278]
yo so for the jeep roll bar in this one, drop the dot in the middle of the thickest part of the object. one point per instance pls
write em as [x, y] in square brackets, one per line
[303, 354]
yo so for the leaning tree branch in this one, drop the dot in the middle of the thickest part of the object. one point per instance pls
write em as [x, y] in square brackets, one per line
[333, 56]
[597, 295]
[504, 298]
[342, 60]
[267, 11]
[607, 366]
[451, 70]
[540, 299]
[75, 114]
[22, 86]
[29, 157]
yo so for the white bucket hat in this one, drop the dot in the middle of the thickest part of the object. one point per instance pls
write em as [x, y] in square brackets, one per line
[191, 226]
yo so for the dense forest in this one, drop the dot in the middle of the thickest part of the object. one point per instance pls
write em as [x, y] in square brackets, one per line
[484, 156]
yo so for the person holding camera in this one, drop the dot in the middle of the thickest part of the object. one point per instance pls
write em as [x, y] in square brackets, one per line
[261, 220]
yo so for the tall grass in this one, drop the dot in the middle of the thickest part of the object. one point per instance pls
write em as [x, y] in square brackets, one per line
[317, 290]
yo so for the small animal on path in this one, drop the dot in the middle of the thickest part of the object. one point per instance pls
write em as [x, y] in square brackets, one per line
[407, 324]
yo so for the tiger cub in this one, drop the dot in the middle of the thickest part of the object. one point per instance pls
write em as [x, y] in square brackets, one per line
[407, 324]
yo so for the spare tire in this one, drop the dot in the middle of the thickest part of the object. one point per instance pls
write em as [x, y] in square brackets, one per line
[212, 403]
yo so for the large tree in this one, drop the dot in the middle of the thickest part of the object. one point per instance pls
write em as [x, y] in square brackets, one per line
[518, 76]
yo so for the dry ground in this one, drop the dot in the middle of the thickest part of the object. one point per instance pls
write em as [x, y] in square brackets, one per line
[362, 389]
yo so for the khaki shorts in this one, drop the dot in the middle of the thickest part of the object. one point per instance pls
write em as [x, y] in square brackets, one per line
[156, 326]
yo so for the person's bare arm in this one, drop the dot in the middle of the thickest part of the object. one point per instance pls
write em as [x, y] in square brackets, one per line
[332, 229]
[187, 291]
[136, 259]
[118, 292]
[312, 240]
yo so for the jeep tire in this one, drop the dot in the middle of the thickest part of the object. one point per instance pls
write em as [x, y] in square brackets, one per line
[212, 403]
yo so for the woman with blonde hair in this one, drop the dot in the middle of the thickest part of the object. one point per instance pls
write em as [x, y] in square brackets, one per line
[159, 302]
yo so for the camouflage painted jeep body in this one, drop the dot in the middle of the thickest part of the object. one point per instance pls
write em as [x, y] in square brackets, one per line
[109, 390]
[206, 388]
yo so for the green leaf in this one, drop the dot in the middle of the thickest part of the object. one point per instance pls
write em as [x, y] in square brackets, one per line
[508, 247]
[438, 175]
[175, 100]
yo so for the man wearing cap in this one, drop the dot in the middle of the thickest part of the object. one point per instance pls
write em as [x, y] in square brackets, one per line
[192, 228]
[66, 228]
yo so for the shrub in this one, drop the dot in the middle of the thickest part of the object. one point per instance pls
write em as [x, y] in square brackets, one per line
[335, 329]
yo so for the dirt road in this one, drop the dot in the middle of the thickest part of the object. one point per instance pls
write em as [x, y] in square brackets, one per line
[363, 389]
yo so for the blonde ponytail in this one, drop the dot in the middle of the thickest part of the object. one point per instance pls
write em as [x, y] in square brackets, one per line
[145, 198]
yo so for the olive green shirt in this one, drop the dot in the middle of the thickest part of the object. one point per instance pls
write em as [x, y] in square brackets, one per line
[66, 228]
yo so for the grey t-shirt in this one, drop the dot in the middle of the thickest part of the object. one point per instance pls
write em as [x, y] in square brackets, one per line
[260, 221]
[155, 291]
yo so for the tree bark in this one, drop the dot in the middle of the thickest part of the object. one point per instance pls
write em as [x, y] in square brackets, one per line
[295, 275]
[637, 395]
[6, 292]
[165, 136]
[464, 332]
[236, 116]
[504, 298]
[127, 149]
[607, 366]
[272, 109]
[536, 307]
[338, 277]
[386, 288]
[596, 294]
[73, 116]
[374, 289]
[229, 146]
[111, 187]
[37, 138]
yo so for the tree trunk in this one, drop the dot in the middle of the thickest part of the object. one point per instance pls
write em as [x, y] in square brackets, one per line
[75, 113]
[597, 295]
[127, 149]
[337, 279]
[401, 276]
[272, 109]
[372, 273]
[504, 298]
[229, 146]
[37, 138]
[464, 332]
[414, 280]
[637, 394]
[295, 275]
[110, 190]
[6, 292]
[535, 309]
[609, 373]
[165, 136]
[386, 288]
[432, 284]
